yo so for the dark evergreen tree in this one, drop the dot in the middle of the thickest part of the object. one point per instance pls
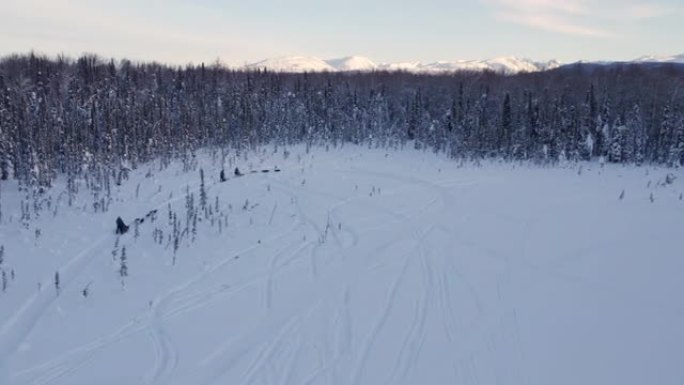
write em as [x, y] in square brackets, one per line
[506, 125]
[123, 263]
[93, 120]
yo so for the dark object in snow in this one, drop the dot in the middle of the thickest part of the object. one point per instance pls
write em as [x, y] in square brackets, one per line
[276, 169]
[121, 227]
[57, 281]
[86, 290]
[139, 220]
[237, 172]
[265, 170]
[670, 178]
[151, 213]
[223, 176]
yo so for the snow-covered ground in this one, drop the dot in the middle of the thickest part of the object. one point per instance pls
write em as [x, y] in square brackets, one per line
[352, 266]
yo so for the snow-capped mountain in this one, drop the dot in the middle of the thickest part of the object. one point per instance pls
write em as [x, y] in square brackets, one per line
[293, 64]
[660, 59]
[507, 65]
[353, 63]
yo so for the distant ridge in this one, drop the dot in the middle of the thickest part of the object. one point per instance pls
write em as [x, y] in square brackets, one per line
[661, 59]
[505, 65]
[353, 63]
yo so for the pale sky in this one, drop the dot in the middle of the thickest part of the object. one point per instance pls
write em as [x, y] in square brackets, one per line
[239, 32]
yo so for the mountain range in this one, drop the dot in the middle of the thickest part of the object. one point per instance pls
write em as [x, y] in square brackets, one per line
[661, 59]
[505, 64]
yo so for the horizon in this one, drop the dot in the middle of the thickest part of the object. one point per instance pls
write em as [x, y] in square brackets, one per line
[179, 32]
[255, 64]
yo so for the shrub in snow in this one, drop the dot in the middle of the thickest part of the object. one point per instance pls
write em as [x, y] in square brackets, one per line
[121, 227]
[670, 178]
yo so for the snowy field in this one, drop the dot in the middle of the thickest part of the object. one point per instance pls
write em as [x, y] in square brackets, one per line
[350, 266]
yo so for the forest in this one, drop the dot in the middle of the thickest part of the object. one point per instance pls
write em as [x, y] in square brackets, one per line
[72, 117]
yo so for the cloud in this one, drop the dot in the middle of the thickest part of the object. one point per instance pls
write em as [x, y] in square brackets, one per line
[575, 17]
[552, 23]
[574, 7]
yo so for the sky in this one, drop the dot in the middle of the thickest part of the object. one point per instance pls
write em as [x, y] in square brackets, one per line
[241, 32]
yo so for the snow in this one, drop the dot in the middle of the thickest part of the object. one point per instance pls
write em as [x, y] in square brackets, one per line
[353, 63]
[353, 266]
[293, 64]
[403, 66]
[661, 59]
[506, 65]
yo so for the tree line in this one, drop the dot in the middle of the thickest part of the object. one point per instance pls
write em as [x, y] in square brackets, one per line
[62, 116]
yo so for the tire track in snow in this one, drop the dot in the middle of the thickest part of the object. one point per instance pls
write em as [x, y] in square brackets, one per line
[415, 336]
[398, 216]
[75, 358]
[173, 310]
[403, 219]
[341, 344]
[390, 299]
[271, 334]
[449, 319]
[19, 326]
[417, 330]
[346, 336]
[15, 330]
[59, 372]
[288, 372]
[269, 350]
[206, 297]
[450, 314]
[321, 234]
[166, 356]
[273, 268]
[140, 323]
